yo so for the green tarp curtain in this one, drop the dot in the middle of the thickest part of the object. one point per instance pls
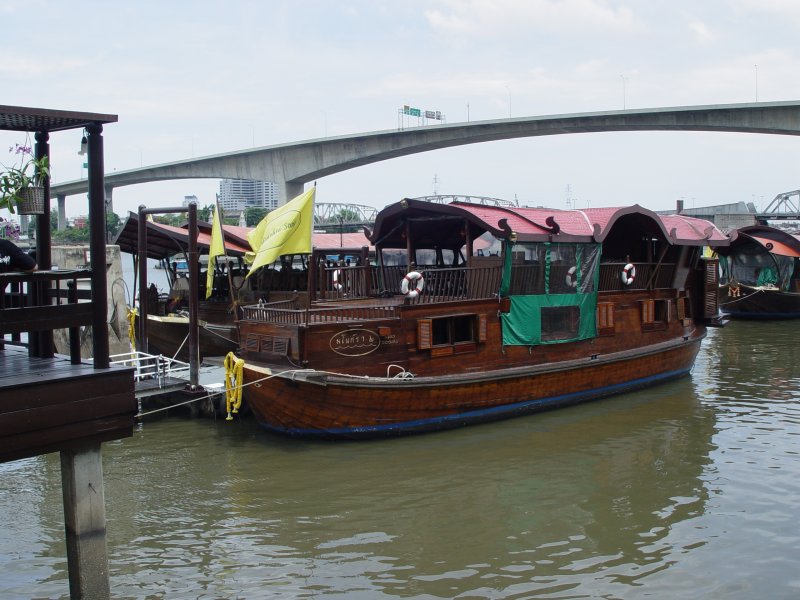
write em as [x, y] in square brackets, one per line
[558, 307]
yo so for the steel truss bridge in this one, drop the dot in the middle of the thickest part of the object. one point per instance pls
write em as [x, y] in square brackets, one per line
[784, 206]
[334, 216]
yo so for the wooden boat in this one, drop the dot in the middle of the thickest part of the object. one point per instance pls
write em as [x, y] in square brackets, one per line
[168, 319]
[557, 307]
[760, 274]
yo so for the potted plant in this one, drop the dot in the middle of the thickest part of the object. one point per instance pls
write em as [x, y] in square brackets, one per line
[21, 186]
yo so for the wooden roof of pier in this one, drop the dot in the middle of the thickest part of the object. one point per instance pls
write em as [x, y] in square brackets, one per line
[25, 118]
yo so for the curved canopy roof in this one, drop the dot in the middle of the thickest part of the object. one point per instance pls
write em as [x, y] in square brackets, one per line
[532, 224]
[771, 239]
[164, 241]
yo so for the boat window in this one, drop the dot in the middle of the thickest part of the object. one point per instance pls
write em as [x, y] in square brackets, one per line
[455, 334]
[560, 323]
[656, 313]
[453, 330]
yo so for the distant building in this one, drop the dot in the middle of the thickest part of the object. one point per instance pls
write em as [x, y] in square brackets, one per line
[237, 195]
[189, 199]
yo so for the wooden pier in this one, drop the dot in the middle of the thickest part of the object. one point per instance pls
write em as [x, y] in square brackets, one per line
[54, 403]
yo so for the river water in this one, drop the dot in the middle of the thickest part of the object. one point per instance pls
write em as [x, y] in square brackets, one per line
[687, 490]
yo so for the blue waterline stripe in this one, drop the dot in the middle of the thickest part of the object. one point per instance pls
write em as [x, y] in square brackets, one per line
[757, 316]
[484, 414]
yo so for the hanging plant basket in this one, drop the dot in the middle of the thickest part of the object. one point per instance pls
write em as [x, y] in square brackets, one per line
[31, 201]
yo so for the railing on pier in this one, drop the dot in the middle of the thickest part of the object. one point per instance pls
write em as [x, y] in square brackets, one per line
[42, 301]
[151, 366]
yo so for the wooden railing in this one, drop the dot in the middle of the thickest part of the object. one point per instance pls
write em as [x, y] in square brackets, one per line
[42, 301]
[611, 276]
[320, 314]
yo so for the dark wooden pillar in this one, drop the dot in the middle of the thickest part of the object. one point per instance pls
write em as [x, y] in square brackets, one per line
[97, 247]
[43, 346]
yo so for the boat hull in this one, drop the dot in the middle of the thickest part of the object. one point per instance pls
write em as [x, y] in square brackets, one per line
[169, 336]
[746, 302]
[306, 403]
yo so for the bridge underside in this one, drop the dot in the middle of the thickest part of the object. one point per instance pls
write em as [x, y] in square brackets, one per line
[292, 165]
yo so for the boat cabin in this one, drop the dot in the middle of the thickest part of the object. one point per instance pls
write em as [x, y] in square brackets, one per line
[486, 280]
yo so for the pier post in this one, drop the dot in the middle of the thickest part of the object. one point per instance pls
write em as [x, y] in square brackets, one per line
[85, 522]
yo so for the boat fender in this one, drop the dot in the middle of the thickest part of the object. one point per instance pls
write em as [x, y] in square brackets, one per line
[628, 274]
[234, 376]
[336, 285]
[571, 280]
[412, 284]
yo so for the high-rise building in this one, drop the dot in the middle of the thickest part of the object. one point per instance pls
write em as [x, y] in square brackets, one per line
[237, 195]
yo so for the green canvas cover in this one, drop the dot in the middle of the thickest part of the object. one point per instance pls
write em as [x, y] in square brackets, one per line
[553, 293]
[752, 265]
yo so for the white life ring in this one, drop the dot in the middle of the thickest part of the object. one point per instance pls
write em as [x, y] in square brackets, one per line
[628, 274]
[412, 284]
[570, 279]
[336, 285]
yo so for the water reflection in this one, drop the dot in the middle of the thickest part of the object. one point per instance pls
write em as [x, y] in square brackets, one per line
[638, 495]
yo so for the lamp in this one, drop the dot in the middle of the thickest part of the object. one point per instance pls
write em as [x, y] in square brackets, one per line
[84, 146]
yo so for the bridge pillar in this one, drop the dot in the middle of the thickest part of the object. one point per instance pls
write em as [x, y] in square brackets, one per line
[62, 211]
[290, 190]
[109, 197]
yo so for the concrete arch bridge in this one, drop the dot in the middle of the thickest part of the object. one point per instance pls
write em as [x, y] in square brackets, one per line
[292, 165]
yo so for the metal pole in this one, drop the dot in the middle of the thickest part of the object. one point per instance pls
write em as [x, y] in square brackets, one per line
[143, 279]
[194, 293]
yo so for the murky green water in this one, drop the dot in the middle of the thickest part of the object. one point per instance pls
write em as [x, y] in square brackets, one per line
[687, 490]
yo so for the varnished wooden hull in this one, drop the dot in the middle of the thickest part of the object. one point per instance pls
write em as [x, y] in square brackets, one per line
[315, 404]
[745, 302]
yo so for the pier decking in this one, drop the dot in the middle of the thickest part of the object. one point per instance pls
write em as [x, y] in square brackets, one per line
[49, 404]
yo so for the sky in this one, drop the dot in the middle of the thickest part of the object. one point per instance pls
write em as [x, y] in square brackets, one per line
[198, 78]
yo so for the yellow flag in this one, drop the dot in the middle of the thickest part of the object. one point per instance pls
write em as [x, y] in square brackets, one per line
[285, 230]
[216, 248]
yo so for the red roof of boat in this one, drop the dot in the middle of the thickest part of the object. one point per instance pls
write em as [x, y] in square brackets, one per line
[591, 223]
[772, 239]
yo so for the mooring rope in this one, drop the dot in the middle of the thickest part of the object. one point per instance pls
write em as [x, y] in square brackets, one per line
[742, 298]
[206, 397]
[265, 378]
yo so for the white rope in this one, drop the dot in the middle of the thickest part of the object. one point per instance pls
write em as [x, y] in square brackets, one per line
[405, 375]
[206, 397]
[742, 298]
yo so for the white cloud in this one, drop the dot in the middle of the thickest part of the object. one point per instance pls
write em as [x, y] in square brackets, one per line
[783, 9]
[495, 18]
[702, 33]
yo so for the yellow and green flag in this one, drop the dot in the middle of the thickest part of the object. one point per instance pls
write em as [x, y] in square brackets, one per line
[285, 230]
[216, 248]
